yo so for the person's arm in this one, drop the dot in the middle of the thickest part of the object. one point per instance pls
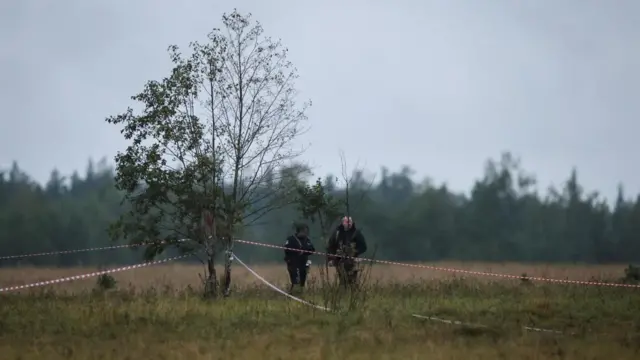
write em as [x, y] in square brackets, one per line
[361, 243]
[332, 247]
[288, 251]
[310, 246]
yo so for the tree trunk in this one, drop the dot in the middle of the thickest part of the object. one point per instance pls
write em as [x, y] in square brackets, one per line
[227, 266]
[211, 283]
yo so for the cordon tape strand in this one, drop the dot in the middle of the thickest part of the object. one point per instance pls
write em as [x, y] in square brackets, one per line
[65, 252]
[75, 251]
[456, 322]
[277, 288]
[93, 274]
[453, 270]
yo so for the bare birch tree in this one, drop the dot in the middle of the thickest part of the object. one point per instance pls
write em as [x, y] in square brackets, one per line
[209, 136]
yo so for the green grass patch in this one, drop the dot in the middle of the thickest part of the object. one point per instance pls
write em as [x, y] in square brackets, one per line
[257, 323]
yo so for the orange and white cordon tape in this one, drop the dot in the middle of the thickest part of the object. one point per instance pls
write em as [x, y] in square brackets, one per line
[74, 251]
[66, 252]
[93, 274]
[453, 270]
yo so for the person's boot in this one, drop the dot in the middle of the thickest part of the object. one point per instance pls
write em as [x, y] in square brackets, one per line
[296, 291]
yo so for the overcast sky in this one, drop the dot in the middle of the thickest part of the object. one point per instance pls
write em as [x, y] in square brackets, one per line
[437, 85]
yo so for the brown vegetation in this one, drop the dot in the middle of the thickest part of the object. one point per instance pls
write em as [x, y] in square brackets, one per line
[179, 276]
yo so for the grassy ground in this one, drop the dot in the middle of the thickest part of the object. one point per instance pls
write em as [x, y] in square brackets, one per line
[153, 317]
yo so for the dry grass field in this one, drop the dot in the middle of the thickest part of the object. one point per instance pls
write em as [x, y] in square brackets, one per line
[153, 314]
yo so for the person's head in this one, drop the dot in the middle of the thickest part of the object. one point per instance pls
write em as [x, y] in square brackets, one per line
[302, 229]
[347, 223]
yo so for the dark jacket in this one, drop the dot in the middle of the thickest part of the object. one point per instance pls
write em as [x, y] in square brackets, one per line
[292, 253]
[347, 242]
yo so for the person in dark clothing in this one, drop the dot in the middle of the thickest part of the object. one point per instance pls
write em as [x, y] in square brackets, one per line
[298, 261]
[346, 243]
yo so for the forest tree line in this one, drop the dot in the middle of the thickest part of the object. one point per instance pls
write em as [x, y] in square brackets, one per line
[504, 218]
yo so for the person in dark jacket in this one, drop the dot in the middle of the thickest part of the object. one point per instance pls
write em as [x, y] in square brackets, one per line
[298, 261]
[346, 243]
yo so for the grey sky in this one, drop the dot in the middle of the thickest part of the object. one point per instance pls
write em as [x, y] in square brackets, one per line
[438, 85]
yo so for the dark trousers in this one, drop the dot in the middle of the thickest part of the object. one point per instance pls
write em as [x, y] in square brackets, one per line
[347, 272]
[297, 274]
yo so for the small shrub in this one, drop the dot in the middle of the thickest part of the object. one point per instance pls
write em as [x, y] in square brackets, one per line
[106, 282]
[631, 275]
